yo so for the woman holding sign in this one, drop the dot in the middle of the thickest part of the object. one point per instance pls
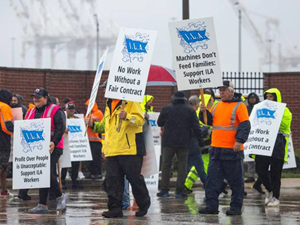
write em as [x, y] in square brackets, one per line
[45, 109]
[275, 162]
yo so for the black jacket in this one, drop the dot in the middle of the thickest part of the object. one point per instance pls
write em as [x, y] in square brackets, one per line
[59, 122]
[20, 104]
[180, 122]
[250, 106]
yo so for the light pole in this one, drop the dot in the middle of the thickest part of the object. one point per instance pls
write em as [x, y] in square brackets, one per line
[186, 16]
[270, 55]
[12, 52]
[97, 25]
[240, 47]
[185, 9]
[239, 44]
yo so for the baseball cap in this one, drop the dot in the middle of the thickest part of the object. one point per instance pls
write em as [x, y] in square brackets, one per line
[40, 92]
[70, 105]
[67, 99]
[227, 84]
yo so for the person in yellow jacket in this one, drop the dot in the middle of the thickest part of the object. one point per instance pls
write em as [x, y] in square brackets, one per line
[147, 107]
[6, 131]
[275, 162]
[146, 104]
[124, 150]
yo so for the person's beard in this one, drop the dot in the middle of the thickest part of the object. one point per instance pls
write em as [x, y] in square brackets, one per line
[14, 105]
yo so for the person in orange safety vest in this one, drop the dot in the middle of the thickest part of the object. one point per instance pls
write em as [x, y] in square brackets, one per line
[231, 127]
[6, 131]
[95, 143]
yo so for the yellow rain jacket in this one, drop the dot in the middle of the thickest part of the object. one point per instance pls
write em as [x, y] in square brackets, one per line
[285, 125]
[147, 98]
[129, 140]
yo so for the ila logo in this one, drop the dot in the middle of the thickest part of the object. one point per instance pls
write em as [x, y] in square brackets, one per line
[193, 37]
[32, 137]
[266, 114]
[74, 128]
[152, 123]
[135, 47]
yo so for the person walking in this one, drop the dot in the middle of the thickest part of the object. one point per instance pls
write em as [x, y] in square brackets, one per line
[45, 109]
[193, 175]
[124, 150]
[95, 144]
[6, 131]
[195, 157]
[231, 128]
[180, 123]
[272, 181]
[70, 110]
[253, 99]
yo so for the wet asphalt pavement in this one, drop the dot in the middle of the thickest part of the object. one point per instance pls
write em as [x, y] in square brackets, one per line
[86, 206]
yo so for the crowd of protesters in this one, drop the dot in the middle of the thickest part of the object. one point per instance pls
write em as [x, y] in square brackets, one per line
[206, 135]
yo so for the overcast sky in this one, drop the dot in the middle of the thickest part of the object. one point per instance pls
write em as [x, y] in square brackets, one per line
[155, 15]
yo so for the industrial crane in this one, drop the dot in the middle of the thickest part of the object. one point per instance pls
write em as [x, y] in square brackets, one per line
[61, 25]
[265, 43]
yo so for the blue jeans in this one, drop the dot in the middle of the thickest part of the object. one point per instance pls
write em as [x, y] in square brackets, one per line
[126, 196]
[232, 171]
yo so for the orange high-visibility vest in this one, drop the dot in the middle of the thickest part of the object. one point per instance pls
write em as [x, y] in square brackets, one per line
[5, 116]
[97, 116]
[226, 118]
[94, 137]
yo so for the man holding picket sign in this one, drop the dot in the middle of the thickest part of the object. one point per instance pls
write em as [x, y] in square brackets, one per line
[124, 151]
[124, 145]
